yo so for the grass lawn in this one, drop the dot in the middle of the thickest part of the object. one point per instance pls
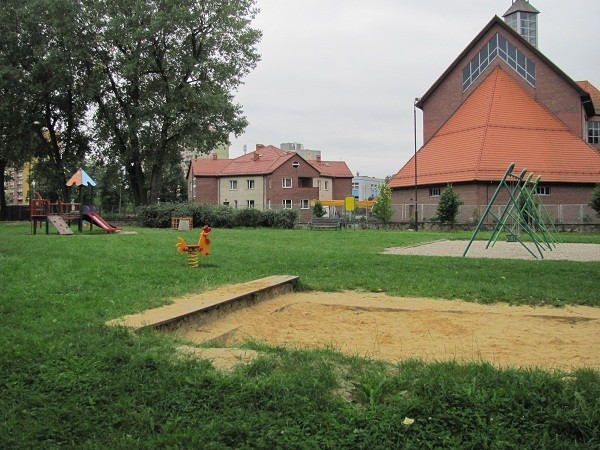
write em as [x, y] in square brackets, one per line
[70, 381]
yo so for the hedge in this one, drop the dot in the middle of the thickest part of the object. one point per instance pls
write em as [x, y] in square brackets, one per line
[159, 216]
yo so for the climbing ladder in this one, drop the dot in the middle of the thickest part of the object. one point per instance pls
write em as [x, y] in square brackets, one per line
[60, 224]
[523, 211]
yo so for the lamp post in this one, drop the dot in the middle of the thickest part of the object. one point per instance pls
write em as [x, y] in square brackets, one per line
[416, 184]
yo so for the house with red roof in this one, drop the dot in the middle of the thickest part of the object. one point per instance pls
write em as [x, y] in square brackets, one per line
[500, 102]
[268, 178]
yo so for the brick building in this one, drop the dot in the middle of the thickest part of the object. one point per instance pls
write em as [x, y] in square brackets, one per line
[268, 178]
[502, 101]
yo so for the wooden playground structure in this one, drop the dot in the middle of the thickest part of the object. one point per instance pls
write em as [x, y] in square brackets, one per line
[60, 214]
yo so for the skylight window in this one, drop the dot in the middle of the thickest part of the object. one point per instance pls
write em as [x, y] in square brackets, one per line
[499, 46]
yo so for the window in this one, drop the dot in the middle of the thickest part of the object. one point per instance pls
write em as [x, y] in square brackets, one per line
[304, 203]
[326, 184]
[355, 186]
[593, 132]
[499, 46]
[286, 183]
[434, 192]
[250, 204]
[295, 164]
[287, 203]
[542, 190]
[225, 203]
[233, 185]
[249, 184]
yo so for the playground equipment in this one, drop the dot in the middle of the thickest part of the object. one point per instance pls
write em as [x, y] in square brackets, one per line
[193, 251]
[524, 210]
[60, 214]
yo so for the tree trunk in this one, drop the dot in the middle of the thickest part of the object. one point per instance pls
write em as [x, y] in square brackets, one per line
[155, 183]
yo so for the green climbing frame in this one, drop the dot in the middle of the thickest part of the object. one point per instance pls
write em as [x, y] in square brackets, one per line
[524, 211]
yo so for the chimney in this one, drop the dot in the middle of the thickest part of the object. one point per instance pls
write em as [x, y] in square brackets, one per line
[318, 158]
[255, 156]
[259, 146]
[214, 155]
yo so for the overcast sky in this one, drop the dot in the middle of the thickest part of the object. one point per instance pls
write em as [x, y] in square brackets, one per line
[341, 76]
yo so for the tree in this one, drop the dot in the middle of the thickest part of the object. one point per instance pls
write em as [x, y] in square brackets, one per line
[164, 76]
[318, 210]
[595, 203]
[448, 205]
[16, 134]
[382, 209]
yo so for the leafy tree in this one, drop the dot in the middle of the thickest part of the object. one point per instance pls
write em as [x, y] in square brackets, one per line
[382, 209]
[448, 205]
[318, 209]
[16, 113]
[595, 204]
[56, 36]
[164, 76]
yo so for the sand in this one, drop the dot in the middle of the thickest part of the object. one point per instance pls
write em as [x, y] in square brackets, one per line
[379, 326]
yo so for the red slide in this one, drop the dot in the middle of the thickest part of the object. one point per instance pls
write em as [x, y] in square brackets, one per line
[99, 221]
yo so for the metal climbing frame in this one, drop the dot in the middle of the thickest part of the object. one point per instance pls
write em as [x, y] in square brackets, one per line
[524, 211]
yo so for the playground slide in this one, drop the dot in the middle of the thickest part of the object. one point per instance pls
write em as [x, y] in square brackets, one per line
[100, 222]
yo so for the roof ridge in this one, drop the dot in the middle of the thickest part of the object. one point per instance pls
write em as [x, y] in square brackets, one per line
[496, 74]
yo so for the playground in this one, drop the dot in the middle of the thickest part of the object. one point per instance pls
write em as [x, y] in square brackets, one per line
[60, 213]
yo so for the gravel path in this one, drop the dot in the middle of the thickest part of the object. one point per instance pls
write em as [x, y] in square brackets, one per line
[501, 249]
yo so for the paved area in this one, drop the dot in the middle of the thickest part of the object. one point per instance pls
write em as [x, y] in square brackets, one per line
[501, 249]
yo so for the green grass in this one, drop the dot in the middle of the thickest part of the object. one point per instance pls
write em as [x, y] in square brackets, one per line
[67, 380]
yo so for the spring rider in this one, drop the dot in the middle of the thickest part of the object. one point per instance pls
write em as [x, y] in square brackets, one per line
[202, 248]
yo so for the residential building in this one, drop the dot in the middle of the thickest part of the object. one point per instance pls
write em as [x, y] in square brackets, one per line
[267, 178]
[503, 101]
[306, 153]
[366, 188]
[16, 186]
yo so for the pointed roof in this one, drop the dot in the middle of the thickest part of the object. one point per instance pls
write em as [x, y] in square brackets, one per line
[80, 178]
[265, 159]
[497, 21]
[333, 169]
[501, 123]
[521, 5]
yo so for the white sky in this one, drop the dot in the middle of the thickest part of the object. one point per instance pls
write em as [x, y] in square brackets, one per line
[341, 76]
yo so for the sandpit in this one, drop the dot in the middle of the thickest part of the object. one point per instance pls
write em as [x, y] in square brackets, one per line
[392, 328]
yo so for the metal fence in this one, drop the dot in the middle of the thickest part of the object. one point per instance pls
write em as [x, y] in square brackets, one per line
[556, 214]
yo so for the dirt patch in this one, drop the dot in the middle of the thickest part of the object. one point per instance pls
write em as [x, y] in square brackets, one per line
[501, 249]
[392, 328]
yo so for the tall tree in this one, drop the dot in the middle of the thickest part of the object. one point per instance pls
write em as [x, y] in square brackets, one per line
[57, 35]
[165, 73]
[16, 135]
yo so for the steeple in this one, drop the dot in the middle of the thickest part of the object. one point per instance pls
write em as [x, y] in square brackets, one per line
[522, 17]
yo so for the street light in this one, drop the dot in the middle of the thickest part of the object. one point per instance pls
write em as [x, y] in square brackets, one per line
[417, 99]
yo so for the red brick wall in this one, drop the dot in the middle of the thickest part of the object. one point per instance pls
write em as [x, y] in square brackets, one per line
[276, 193]
[206, 190]
[551, 90]
[341, 187]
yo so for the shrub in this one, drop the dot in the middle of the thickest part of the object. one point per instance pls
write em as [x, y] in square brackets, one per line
[448, 205]
[382, 209]
[318, 210]
[221, 216]
[595, 203]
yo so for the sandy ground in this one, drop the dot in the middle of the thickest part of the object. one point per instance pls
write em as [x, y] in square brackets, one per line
[392, 328]
[502, 249]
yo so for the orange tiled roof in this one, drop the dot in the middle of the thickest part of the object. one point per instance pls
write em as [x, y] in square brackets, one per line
[594, 94]
[501, 123]
[208, 167]
[263, 160]
[334, 169]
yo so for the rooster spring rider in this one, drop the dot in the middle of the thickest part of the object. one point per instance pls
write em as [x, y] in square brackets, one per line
[203, 247]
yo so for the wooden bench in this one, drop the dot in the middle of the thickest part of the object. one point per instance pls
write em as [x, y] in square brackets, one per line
[327, 222]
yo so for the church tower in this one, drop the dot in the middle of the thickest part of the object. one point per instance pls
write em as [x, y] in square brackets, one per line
[522, 17]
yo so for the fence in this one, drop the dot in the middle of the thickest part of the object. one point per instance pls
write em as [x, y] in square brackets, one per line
[471, 214]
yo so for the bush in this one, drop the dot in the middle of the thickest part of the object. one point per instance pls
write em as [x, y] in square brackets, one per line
[159, 216]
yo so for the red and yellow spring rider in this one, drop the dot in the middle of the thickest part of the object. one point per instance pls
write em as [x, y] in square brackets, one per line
[203, 247]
